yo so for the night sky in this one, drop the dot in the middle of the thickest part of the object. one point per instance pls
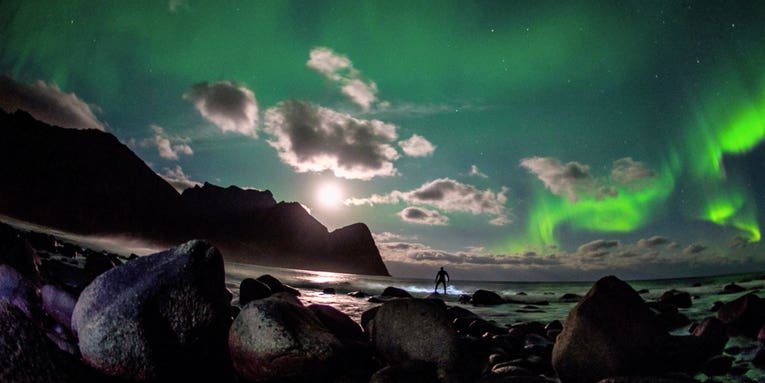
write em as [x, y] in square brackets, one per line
[503, 140]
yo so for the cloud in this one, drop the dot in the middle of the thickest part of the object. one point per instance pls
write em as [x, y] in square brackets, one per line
[387, 236]
[627, 170]
[338, 68]
[448, 195]
[561, 179]
[177, 178]
[311, 138]
[475, 172]
[229, 106]
[694, 248]
[653, 241]
[174, 5]
[169, 147]
[737, 242]
[597, 245]
[423, 216]
[417, 146]
[47, 103]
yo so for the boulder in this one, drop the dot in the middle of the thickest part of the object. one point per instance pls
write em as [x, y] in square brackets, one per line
[395, 292]
[732, 288]
[16, 252]
[415, 329]
[610, 332]
[252, 289]
[159, 317]
[712, 333]
[337, 322]
[276, 285]
[570, 298]
[408, 372]
[681, 299]
[486, 298]
[329, 291]
[358, 294]
[19, 291]
[746, 313]
[59, 305]
[98, 263]
[278, 338]
[26, 354]
[718, 365]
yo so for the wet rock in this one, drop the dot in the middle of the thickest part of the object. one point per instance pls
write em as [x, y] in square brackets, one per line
[278, 338]
[337, 322]
[715, 306]
[58, 304]
[611, 332]
[507, 369]
[676, 298]
[718, 365]
[409, 372]
[328, 291]
[746, 313]
[732, 288]
[16, 252]
[252, 289]
[486, 298]
[570, 298]
[97, 264]
[554, 325]
[464, 298]
[358, 294]
[712, 333]
[478, 327]
[367, 320]
[26, 354]
[395, 292]
[19, 291]
[159, 317]
[415, 329]
[276, 285]
[672, 320]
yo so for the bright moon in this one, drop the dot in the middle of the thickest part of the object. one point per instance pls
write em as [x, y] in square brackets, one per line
[330, 195]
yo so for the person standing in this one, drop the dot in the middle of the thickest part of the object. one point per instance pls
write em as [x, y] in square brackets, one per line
[441, 278]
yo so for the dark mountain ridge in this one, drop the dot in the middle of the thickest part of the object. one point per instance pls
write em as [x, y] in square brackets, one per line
[87, 182]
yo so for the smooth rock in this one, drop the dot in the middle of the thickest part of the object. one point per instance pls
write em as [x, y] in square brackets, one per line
[716, 306]
[358, 294]
[59, 304]
[676, 298]
[408, 372]
[276, 285]
[486, 298]
[718, 365]
[328, 291]
[712, 333]
[570, 298]
[159, 317]
[746, 313]
[278, 338]
[611, 332]
[732, 289]
[337, 322]
[395, 292]
[252, 289]
[19, 291]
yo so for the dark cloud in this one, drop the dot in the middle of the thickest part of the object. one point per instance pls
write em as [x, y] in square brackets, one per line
[627, 170]
[311, 138]
[653, 241]
[229, 106]
[423, 216]
[47, 103]
[417, 146]
[561, 179]
[737, 242]
[694, 248]
[596, 245]
[447, 195]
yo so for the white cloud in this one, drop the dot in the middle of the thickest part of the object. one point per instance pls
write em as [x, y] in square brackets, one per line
[561, 179]
[311, 138]
[448, 195]
[417, 146]
[626, 170]
[229, 106]
[177, 178]
[170, 147]
[338, 68]
[423, 216]
[654, 241]
[47, 103]
[475, 172]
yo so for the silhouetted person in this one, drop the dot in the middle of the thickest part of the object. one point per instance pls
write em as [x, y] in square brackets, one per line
[442, 277]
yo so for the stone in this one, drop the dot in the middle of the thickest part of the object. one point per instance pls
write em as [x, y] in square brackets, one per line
[676, 298]
[408, 372]
[746, 313]
[395, 292]
[278, 338]
[337, 322]
[26, 354]
[252, 289]
[58, 304]
[358, 294]
[732, 288]
[570, 298]
[717, 365]
[486, 298]
[328, 291]
[415, 329]
[716, 306]
[19, 291]
[276, 285]
[554, 325]
[713, 334]
[610, 332]
[159, 317]
[16, 252]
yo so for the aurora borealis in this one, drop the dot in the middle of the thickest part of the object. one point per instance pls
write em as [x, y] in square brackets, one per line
[503, 140]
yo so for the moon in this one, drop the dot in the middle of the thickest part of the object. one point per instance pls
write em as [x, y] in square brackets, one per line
[329, 195]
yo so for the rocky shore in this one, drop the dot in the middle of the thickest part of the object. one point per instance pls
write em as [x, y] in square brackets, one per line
[69, 314]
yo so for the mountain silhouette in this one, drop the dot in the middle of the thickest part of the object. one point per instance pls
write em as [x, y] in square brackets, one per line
[87, 182]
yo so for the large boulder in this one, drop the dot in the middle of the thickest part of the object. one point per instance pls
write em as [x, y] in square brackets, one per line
[681, 299]
[251, 289]
[415, 329]
[26, 355]
[746, 313]
[337, 322]
[611, 332]
[278, 338]
[19, 291]
[486, 297]
[159, 317]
